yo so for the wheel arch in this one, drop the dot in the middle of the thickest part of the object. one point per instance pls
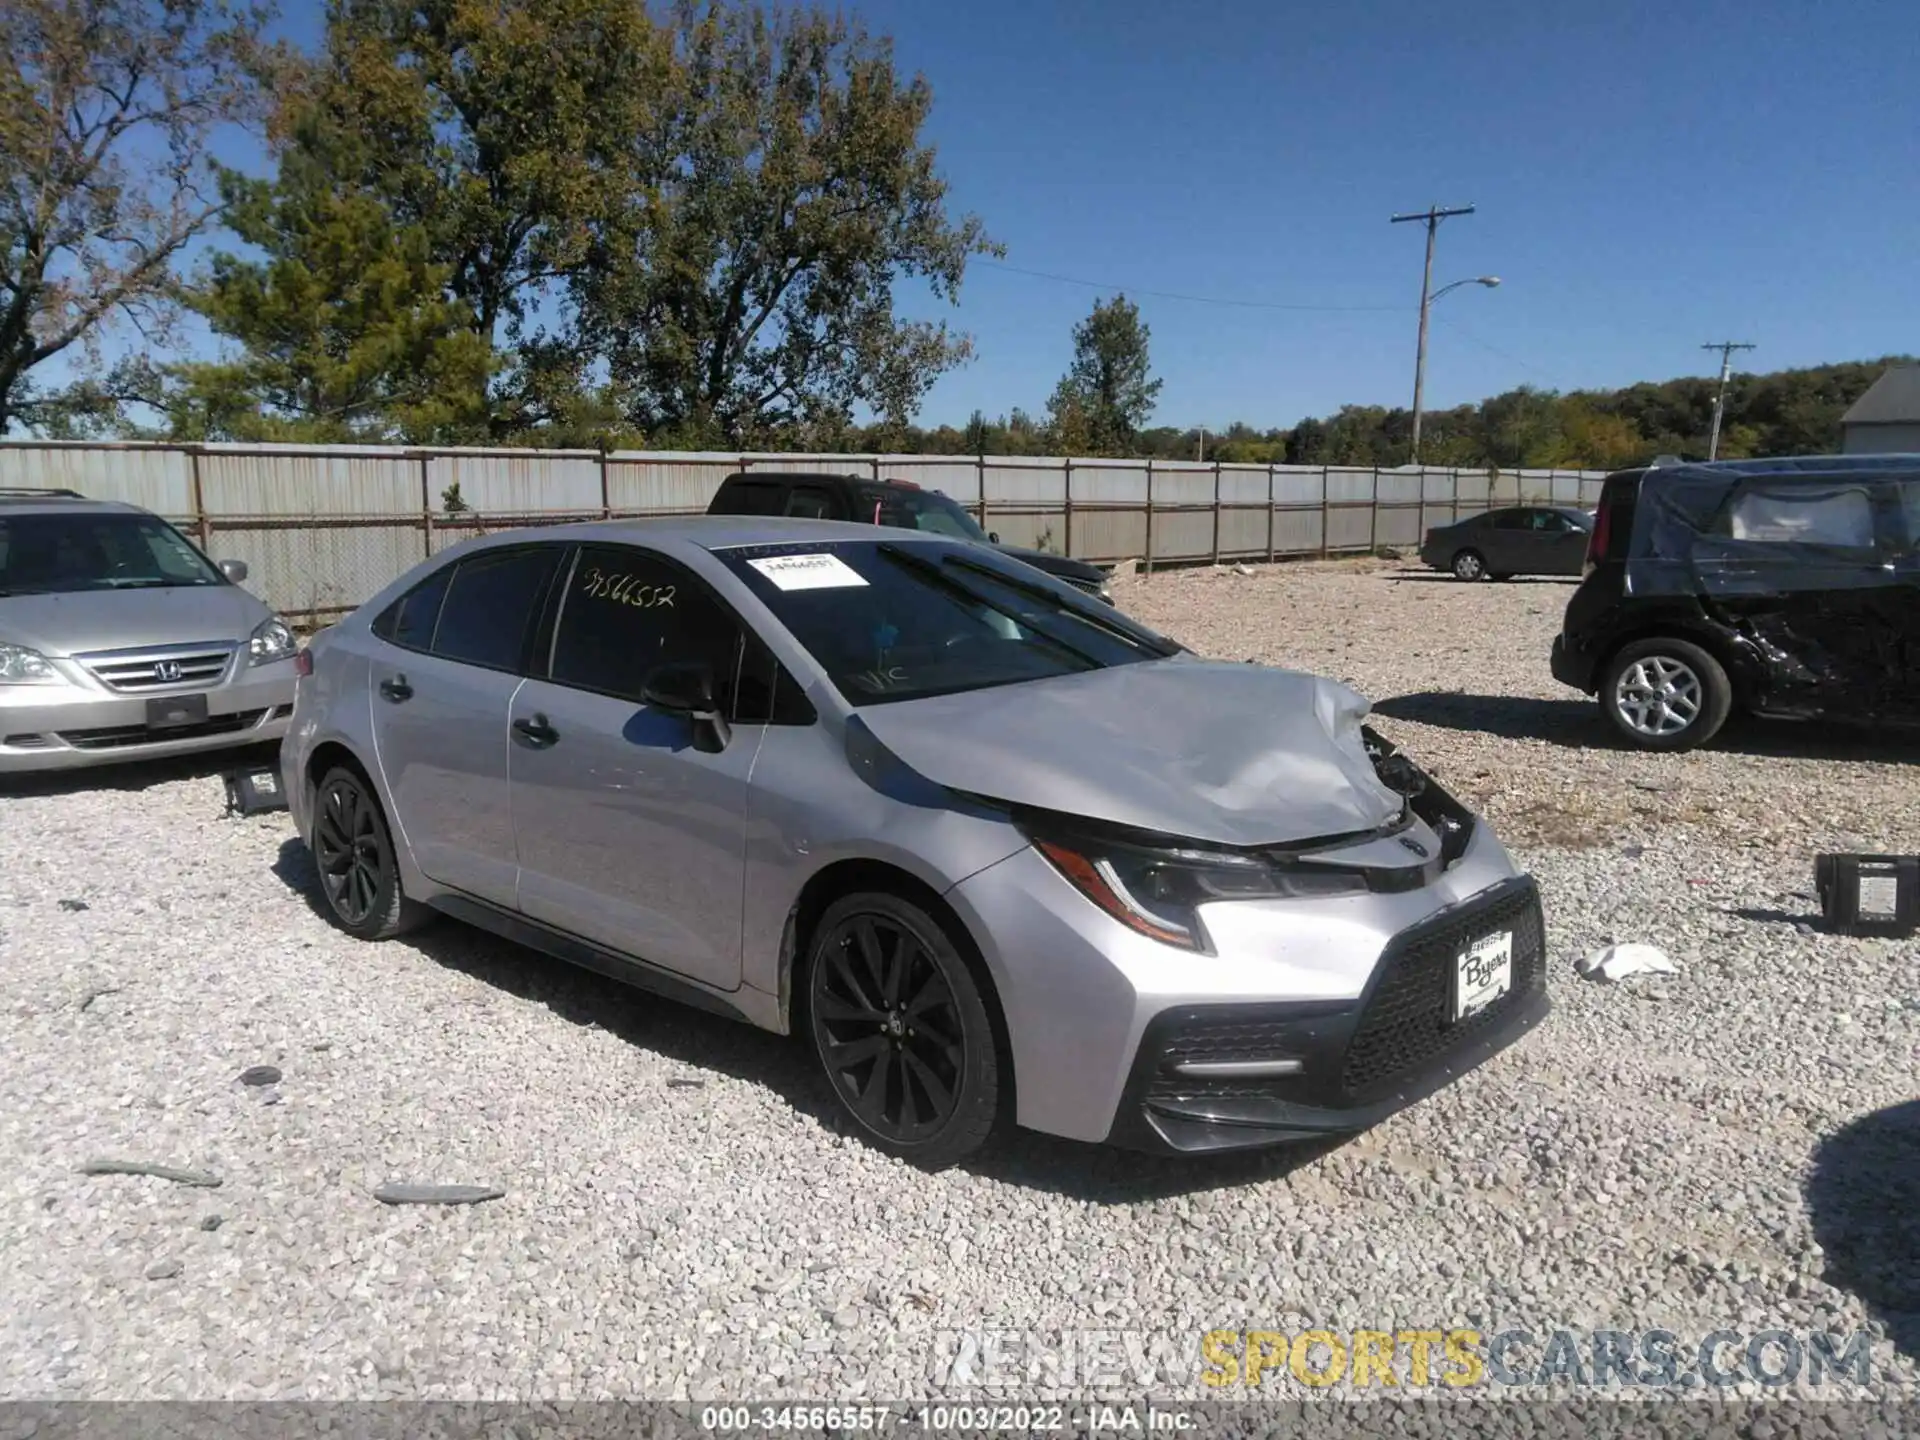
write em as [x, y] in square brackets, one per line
[1738, 666]
[853, 875]
[326, 756]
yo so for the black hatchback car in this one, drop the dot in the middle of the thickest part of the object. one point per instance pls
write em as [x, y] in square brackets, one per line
[1519, 540]
[1783, 588]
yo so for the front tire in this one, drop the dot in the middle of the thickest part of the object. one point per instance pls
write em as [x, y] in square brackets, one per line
[1469, 566]
[1666, 695]
[353, 848]
[901, 1027]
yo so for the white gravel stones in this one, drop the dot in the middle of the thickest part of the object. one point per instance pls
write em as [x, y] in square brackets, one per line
[1693, 1151]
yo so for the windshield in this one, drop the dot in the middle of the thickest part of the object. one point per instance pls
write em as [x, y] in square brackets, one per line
[61, 553]
[926, 510]
[903, 622]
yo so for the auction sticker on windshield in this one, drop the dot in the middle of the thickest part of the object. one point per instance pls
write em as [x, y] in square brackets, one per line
[808, 572]
[1485, 973]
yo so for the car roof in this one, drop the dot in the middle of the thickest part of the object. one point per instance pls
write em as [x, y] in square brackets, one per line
[719, 532]
[1812, 468]
[744, 476]
[24, 501]
[792, 476]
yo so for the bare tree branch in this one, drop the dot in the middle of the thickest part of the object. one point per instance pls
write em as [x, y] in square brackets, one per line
[94, 220]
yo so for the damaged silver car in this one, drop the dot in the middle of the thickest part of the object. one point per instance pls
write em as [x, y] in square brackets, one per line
[997, 852]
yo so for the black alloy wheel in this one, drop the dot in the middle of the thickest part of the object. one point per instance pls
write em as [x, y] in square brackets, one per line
[902, 1030]
[354, 851]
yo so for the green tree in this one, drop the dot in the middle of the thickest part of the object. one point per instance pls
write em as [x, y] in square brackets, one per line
[346, 332]
[744, 290]
[107, 109]
[1108, 391]
[442, 167]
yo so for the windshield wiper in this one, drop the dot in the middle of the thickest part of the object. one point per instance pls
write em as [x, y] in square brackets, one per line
[1087, 617]
[938, 575]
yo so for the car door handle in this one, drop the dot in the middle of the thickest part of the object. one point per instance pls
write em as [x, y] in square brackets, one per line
[536, 732]
[397, 689]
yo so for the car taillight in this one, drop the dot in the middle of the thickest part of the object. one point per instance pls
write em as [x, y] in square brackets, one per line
[1597, 540]
[303, 662]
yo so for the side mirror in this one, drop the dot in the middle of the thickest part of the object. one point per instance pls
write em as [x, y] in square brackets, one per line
[234, 570]
[686, 688]
[993, 537]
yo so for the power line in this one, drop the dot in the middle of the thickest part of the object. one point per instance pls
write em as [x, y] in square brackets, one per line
[1193, 299]
[1492, 349]
[1726, 349]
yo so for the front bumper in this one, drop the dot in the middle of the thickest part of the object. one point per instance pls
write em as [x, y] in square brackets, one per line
[1359, 1061]
[1570, 667]
[1088, 1002]
[66, 727]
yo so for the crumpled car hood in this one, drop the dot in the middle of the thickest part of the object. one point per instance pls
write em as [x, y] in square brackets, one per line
[1230, 754]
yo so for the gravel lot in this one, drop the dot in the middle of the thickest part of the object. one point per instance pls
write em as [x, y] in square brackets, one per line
[1731, 1147]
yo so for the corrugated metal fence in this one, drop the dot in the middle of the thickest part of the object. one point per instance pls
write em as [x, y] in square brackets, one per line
[324, 527]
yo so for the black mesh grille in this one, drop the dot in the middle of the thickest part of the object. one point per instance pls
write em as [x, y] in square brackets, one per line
[1407, 1024]
[1242, 1034]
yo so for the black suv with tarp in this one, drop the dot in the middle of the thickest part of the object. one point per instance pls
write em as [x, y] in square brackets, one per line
[1784, 588]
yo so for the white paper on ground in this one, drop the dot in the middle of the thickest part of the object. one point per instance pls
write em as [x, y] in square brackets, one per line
[1616, 962]
[816, 571]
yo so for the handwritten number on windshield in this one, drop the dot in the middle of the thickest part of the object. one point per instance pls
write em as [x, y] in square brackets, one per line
[624, 590]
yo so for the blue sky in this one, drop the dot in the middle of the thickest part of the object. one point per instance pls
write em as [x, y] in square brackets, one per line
[1648, 176]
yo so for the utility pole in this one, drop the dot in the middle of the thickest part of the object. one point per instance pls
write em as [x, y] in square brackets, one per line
[1432, 215]
[1726, 349]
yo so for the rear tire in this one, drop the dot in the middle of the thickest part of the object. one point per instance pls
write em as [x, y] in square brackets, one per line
[903, 1031]
[1469, 565]
[353, 849]
[1666, 695]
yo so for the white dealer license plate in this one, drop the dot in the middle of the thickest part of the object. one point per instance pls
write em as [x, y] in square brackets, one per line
[1484, 973]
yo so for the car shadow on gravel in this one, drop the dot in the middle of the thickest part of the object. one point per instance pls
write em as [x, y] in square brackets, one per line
[132, 775]
[1443, 577]
[1864, 1198]
[1579, 725]
[705, 1042]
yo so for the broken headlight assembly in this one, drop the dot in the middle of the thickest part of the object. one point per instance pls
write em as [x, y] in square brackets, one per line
[1447, 817]
[1158, 890]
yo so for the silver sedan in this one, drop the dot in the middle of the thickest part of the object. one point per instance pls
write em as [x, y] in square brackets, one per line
[997, 852]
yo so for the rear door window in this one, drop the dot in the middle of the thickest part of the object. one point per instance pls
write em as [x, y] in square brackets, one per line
[492, 602]
[1833, 517]
[1510, 520]
[409, 621]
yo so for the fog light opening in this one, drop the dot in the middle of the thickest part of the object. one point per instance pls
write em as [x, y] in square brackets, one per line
[1239, 1069]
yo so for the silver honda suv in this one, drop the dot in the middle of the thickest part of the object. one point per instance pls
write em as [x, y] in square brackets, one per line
[120, 641]
[999, 852]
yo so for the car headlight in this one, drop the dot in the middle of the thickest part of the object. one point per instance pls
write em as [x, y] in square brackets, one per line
[1158, 892]
[272, 640]
[21, 666]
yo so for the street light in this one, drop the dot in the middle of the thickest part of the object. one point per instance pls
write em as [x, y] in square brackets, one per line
[1420, 363]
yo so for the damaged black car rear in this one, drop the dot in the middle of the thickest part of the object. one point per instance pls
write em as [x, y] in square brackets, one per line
[1783, 588]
